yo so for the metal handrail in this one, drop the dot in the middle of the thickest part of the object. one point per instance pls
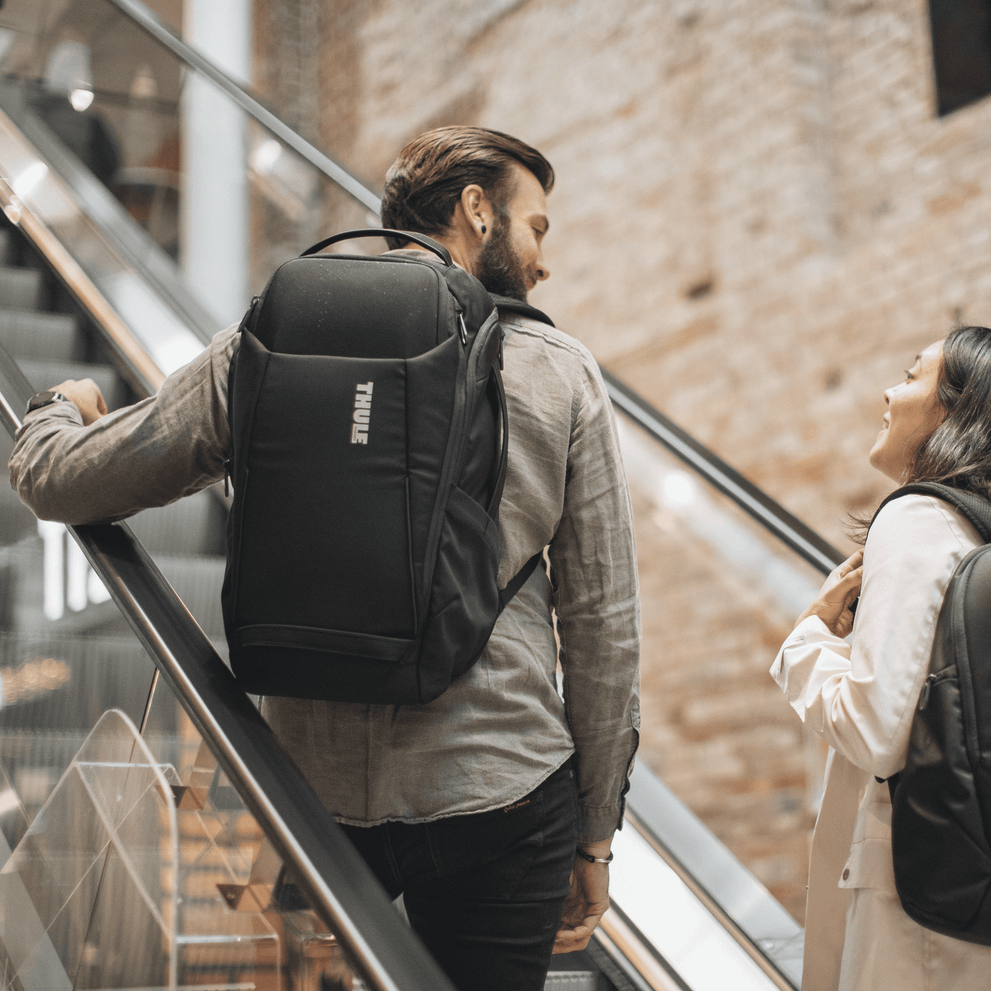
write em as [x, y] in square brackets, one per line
[134, 363]
[756, 503]
[341, 888]
[752, 918]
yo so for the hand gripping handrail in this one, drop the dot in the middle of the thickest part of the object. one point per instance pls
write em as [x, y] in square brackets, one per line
[341, 888]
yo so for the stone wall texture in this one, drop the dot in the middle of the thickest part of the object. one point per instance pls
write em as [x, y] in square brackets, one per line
[759, 221]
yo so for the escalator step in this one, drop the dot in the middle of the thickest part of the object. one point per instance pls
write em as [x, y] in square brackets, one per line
[575, 980]
[20, 288]
[51, 336]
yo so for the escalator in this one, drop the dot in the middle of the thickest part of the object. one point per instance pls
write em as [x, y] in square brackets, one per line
[102, 668]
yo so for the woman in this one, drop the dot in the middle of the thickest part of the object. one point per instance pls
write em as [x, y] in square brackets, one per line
[860, 696]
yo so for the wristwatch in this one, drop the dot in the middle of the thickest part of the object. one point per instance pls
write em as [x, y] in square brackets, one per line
[40, 399]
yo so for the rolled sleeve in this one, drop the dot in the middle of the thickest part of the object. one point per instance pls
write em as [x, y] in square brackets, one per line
[149, 454]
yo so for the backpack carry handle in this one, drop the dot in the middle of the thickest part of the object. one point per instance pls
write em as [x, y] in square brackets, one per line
[421, 239]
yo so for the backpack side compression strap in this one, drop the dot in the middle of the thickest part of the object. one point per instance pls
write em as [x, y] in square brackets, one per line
[508, 304]
[520, 579]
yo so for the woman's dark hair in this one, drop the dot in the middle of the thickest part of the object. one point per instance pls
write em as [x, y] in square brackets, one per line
[425, 182]
[958, 451]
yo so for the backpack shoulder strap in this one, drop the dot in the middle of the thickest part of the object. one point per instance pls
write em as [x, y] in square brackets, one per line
[506, 304]
[976, 509]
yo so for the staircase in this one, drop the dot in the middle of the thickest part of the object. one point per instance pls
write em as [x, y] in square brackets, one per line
[62, 642]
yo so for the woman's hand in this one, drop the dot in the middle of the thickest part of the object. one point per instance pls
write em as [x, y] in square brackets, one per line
[841, 587]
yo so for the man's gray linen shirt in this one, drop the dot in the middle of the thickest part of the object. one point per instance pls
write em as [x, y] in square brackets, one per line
[502, 728]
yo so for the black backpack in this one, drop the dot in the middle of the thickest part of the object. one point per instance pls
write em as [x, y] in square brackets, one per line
[941, 801]
[369, 434]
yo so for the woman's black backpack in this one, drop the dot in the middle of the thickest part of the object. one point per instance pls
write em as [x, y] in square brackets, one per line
[370, 439]
[941, 801]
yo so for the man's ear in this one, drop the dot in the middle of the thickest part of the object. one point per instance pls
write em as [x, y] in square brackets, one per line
[476, 209]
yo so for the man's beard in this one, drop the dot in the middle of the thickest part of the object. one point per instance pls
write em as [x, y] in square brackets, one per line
[498, 268]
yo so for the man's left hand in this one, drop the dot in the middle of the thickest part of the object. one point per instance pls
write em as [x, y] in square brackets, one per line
[586, 902]
[86, 394]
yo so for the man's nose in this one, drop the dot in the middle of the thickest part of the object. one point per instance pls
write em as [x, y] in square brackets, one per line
[542, 271]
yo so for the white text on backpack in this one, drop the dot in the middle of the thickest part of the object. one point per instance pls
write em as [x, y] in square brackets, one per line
[362, 413]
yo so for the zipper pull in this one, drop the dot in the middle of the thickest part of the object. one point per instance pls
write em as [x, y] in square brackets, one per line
[227, 476]
[926, 688]
[462, 330]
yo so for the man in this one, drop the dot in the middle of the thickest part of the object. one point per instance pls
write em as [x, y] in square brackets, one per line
[492, 808]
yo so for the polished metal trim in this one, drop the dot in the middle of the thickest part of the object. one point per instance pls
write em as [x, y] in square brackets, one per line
[771, 515]
[619, 940]
[731, 894]
[138, 368]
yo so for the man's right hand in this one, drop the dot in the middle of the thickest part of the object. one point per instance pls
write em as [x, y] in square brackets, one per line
[85, 393]
[586, 903]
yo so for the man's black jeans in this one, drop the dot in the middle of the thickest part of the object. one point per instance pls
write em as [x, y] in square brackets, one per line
[485, 891]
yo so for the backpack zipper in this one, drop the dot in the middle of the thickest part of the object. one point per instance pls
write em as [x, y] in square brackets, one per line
[932, 681]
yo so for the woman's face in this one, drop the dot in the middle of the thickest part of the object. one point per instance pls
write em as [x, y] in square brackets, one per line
[913, 414]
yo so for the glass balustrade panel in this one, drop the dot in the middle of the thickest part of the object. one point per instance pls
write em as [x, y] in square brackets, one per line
[718, 597]
[169, 145]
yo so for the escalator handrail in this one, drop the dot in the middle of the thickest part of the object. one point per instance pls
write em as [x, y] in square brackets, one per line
[130, 358]
[755, 502]
[195, 60]
[340, 886]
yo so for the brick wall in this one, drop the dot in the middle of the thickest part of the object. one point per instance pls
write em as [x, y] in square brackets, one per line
[759, 220]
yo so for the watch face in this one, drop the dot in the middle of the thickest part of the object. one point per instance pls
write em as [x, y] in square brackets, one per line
[42, 399]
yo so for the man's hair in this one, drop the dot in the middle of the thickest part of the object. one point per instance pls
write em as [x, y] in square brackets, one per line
[424, 184]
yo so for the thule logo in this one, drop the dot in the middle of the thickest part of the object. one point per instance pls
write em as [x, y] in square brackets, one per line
[362, 412]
